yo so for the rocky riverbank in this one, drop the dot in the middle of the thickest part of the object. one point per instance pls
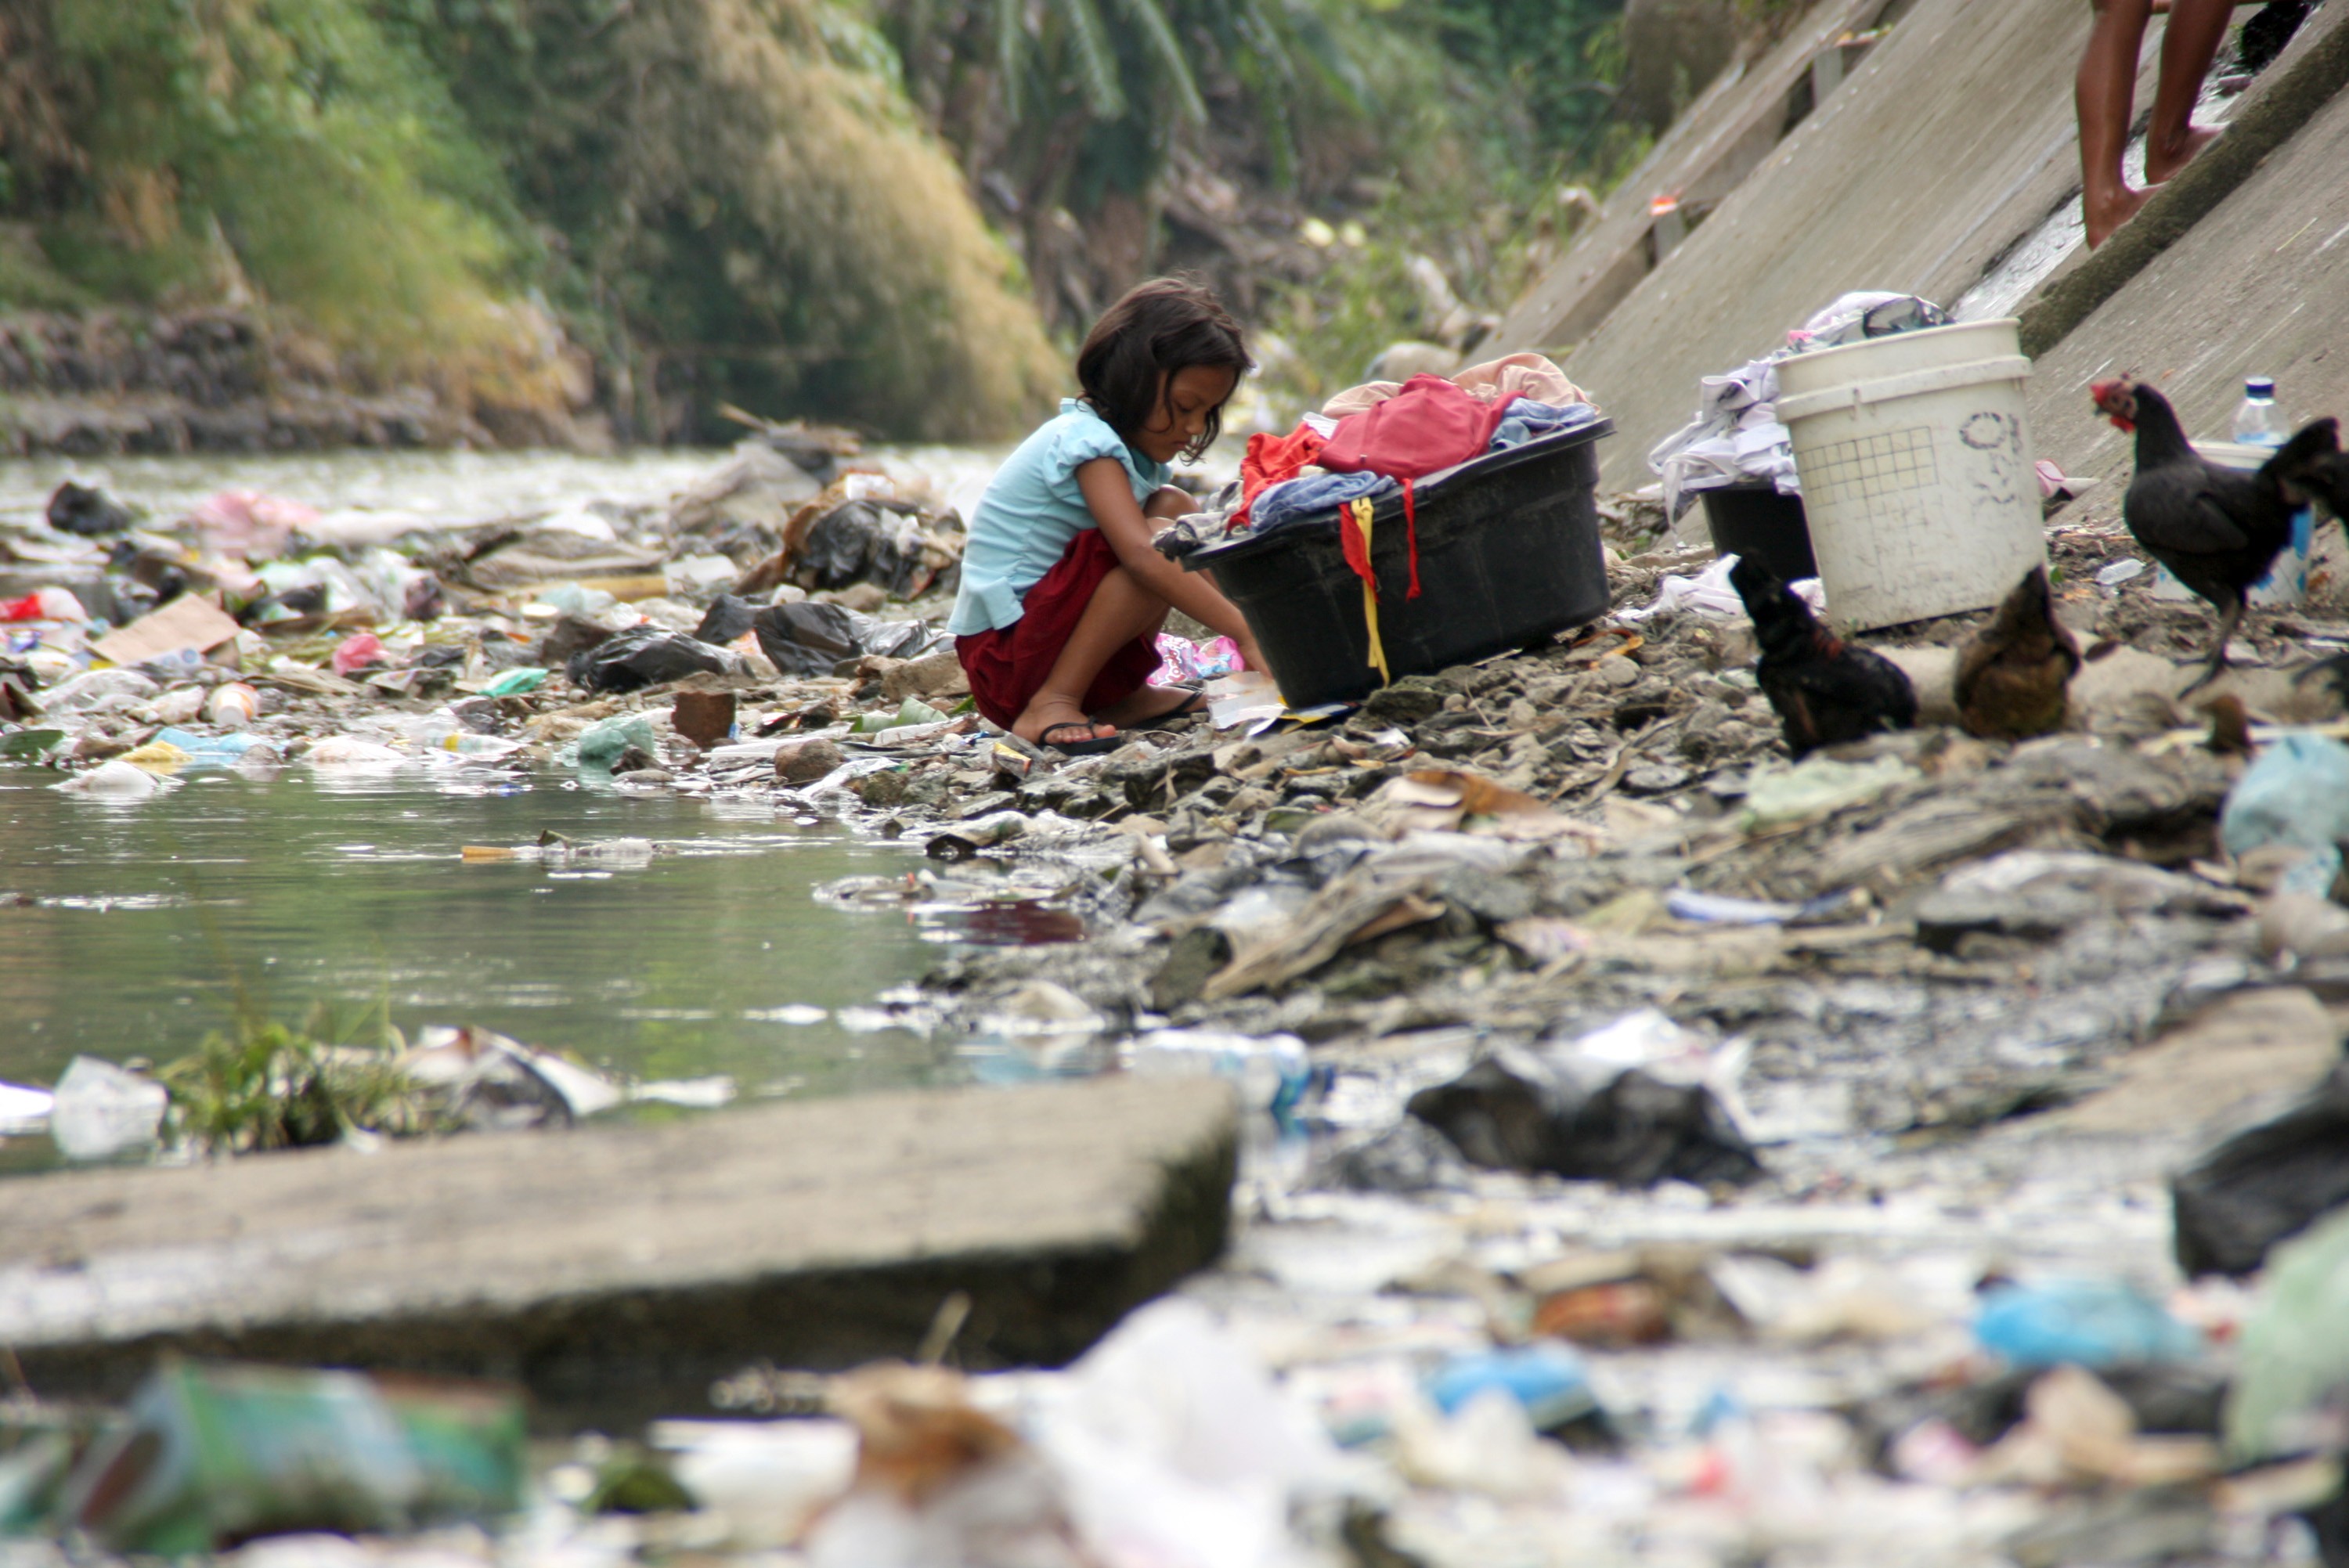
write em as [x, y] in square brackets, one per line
[108, 383]
[1663, 1150]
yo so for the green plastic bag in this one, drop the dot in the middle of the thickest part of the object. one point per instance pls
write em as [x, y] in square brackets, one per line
[602, 743]
[913, 710]
[215, 1454]
[516, 681]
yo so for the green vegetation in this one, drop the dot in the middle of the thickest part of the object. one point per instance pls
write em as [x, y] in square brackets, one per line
[748, 211]
[261, 1084]
[676, 203]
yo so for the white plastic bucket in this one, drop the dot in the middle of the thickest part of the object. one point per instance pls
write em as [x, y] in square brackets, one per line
[1916, 468]
[2286, 583]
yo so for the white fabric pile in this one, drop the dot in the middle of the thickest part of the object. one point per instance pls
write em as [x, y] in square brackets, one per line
[1735, 437]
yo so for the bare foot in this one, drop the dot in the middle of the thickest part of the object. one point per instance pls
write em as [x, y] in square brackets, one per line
[2162, 163]
[2104, 217]
[1061, 719]
[1149, 703]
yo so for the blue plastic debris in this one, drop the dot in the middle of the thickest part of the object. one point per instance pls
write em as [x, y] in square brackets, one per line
[209, 750]
[2297, 795]
[2091, 1322]
[1548, 1380]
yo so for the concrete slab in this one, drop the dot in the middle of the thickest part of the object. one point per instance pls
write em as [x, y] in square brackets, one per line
[2260, 285]
[2244, 1059]
[617, 1272]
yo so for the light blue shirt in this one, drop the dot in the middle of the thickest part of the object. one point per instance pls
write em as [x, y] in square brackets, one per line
[1031, 509]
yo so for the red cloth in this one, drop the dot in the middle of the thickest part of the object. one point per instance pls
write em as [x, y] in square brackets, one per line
[1431, 424]
[1007, 666]
[1270, 459]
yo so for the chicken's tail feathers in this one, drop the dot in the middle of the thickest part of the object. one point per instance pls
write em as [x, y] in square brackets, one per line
[2334, 668]
[2313, 441]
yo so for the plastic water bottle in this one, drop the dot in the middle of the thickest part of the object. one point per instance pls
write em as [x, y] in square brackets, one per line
[2258, 421]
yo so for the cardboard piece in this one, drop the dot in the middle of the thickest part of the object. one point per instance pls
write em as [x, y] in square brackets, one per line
[187, 622]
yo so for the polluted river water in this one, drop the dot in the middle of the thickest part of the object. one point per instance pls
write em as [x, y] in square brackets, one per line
[128, 932]
[129, 928]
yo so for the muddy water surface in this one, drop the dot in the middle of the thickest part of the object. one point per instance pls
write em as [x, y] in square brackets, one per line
[126, 930]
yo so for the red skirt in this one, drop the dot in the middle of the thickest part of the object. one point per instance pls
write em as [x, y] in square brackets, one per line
[1008, 665]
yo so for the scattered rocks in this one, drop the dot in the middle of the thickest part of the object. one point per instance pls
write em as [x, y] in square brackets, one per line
[806, 761]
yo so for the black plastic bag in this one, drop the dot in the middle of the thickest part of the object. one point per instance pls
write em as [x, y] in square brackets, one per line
[862, 541]
[1514, 1111]
[642, 656]
[727, 619]
[811, 639]
[78, 509]
[839, 546]
[2264, 1184]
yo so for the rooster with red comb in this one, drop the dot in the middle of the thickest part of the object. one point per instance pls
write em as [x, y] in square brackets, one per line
[2219, 530]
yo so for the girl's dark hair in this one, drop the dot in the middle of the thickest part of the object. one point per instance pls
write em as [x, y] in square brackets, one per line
[1129, 357]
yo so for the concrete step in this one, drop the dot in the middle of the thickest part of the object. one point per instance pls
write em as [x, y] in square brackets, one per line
[617, 1271]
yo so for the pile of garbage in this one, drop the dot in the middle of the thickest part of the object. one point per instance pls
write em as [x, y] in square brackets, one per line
[1662, 1150]
[179, 645]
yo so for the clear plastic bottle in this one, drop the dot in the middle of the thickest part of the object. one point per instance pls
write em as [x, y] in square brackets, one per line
[2258, 421]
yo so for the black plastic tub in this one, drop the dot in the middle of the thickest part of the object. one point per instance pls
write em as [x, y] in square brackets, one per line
[1754, 520]
[1508, 554]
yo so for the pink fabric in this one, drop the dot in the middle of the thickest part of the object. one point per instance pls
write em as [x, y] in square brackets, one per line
[1494, 381]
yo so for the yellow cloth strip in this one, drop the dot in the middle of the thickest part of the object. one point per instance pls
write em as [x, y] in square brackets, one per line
[1362, 511]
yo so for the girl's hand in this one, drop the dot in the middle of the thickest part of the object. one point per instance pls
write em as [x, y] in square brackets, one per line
[1109, 494]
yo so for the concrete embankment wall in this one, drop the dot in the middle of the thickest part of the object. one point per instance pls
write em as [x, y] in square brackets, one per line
[2259, 286]
[1954, 139]
[1929, 162]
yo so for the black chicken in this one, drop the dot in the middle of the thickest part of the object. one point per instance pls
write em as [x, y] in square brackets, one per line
[2321, 474]
[1825, 690]
[2216, 529]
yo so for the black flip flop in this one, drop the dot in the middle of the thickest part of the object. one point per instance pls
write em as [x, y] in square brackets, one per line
[1092, 746]
[1196, 705]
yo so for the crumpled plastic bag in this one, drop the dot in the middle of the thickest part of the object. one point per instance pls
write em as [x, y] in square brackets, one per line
[864, 541]
[1818, 787]
[605, 741]
[1578, 1115]
[1709, 594]
[87, 510]
[809, 639]
[1865, 313]
[1174, 1449]
[250, 524]
[2297, 795]
[1181, 659]
[643, 656]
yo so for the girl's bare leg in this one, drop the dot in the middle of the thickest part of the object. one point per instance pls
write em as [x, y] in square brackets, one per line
[1120, 611]
[1193, 593]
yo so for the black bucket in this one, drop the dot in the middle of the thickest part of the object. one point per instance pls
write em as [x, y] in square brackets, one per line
[1508, 554]
[1756, 522]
